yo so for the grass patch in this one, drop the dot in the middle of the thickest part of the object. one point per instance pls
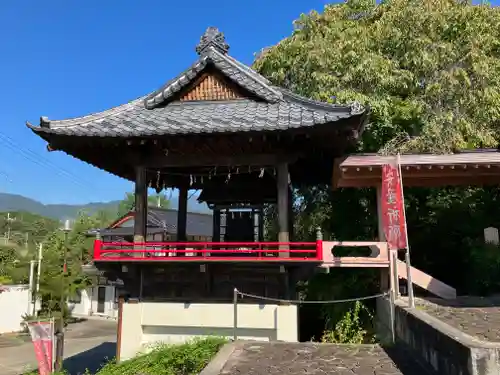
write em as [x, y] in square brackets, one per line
[184, 359]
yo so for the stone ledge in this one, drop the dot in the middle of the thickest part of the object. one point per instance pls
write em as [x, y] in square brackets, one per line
[216, 365]
[447, 329]
[445, 348]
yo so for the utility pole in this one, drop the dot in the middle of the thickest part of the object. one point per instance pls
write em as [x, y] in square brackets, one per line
[9, 220]
[62, 302]
[38, 274]
[31, 284]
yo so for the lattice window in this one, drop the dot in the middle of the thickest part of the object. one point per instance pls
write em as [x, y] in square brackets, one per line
[211, 88]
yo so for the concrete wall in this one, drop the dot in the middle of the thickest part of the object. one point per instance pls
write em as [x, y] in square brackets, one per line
[83, 307]
[88, 303]
[147, 323]
[443, 348]
[14, 304]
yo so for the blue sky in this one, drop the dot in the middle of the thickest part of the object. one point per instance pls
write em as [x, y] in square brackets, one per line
[62, 60]
[59, 59]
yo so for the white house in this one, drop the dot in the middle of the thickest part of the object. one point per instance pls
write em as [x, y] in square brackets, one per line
[100, 300]
[15, 303]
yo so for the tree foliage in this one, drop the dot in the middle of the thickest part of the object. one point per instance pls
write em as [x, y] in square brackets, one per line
[128, 203]
[428, 69]
[430, 72]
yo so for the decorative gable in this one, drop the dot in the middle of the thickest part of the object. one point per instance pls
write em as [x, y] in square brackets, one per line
[211, 87]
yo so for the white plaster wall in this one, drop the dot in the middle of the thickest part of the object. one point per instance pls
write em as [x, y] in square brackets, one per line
[147, 323]
[14, 303]
[109, 306]
[109, 302]
[82, 308]
[88, 303]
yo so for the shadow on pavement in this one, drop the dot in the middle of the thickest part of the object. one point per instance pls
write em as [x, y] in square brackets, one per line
[405, 363]
[92, 359]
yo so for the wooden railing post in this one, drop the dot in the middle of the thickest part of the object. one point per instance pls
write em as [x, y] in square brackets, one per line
[121, 301]
[319, 243]
[97, 249]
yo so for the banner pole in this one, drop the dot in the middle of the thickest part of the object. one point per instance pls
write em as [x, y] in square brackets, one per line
[53, 363]
[411, 300]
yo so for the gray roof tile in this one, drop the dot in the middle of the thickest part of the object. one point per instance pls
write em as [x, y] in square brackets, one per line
[157, 114]
[159, 220]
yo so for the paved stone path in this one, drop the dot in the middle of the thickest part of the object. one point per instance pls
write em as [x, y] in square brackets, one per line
[87, 345]
[475, 316]
[318, 359]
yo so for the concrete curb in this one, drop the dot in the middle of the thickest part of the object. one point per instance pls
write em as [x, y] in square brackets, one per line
[216, 365]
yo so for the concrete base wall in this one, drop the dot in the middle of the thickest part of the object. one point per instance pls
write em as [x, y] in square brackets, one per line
[148, 323]
[441, 347]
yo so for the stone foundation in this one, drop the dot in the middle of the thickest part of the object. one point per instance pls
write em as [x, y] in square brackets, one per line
[440, 346]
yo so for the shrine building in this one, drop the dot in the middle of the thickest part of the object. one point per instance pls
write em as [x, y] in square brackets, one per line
[221, 128]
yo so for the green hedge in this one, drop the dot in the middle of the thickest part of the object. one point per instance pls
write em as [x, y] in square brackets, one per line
[184, 359]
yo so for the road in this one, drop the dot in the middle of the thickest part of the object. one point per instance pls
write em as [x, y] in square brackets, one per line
[87, 345]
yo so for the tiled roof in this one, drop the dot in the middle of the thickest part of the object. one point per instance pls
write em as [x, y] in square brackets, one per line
[157, 114]
[160, 220]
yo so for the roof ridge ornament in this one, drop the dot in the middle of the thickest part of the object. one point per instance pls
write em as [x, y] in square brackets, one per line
[212, 38]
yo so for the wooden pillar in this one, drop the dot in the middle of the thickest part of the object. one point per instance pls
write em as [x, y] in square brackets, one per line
[282, 185]
[290, 215]
[182, 214]
[121, 301]
[141, 205]
[216, 223]
[261, 224]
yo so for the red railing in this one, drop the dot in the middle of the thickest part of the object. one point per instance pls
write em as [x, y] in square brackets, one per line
[208, 251]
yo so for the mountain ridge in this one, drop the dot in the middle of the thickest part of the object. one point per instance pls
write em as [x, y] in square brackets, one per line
[15, 202]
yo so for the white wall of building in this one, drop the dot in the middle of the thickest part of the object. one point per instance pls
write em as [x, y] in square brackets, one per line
[15, 302]
[148, 323]
[88, 303]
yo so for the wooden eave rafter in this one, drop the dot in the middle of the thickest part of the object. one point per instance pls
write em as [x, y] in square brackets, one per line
[481, 167]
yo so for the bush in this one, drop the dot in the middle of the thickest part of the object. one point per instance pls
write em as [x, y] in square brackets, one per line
[350, 328]
[483, 263]
[185, 359]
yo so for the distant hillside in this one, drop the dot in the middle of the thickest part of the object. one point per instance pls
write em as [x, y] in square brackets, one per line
[13, 202]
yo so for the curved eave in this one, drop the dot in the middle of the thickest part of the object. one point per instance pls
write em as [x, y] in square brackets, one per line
[354, 108]
[43, 133]
[308, 119]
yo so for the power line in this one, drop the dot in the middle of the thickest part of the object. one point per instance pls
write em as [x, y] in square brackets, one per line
[192, 194]
[6, 175]
[43, 162]
[37, 158]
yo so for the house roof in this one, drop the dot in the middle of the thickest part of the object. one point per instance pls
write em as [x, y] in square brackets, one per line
[163, 220]
[264, 107]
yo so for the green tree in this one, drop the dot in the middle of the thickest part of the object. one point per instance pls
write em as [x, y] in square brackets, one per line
[430, 72]
[128, 203]
[77, 245]
[424, 67]
[27, 229]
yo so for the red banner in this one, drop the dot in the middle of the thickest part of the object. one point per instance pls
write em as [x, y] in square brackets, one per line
[393, 213]
[42, 335]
